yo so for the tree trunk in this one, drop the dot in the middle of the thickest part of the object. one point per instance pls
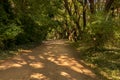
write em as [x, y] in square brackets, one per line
[92, 6]
[108, 5]
[84, 14]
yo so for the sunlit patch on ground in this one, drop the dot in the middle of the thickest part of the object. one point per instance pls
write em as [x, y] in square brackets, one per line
[16, 62]
[37, 65]
[51, 42]
[25, 51]
[31, 57]
[67, 75]
[18, 58]
[10, 65]
[39, 76]
[41, 57]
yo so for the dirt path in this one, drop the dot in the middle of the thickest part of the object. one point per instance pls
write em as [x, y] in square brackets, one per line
[50, 61]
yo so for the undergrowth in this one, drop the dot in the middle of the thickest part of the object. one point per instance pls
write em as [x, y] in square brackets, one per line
[104, 61]
[10, 52]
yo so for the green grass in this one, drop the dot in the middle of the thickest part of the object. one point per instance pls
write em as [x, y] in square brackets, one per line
[105, 62]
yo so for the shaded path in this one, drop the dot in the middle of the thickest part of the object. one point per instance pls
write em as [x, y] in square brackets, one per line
[50, 61]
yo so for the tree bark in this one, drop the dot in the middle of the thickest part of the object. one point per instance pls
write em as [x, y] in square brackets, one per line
[108, 5]
[84, 14]
[92, 6]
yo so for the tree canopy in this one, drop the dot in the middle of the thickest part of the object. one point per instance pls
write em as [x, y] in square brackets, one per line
[25, 21]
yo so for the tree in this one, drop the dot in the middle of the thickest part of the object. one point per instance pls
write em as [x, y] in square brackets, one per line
[92, 7]
[84, 13]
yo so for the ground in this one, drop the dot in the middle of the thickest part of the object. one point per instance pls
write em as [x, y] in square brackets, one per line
[52, 60]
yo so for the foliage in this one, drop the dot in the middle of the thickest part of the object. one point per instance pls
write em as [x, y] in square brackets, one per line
[105, 61]
[11, 31]
[24, 21]
[102, 30]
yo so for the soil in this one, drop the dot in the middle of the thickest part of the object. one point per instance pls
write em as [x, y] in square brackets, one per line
[52, 60]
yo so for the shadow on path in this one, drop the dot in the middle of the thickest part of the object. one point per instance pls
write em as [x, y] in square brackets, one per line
[51, 61]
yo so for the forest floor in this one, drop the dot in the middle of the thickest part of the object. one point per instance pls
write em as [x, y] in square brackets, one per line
[52, 60]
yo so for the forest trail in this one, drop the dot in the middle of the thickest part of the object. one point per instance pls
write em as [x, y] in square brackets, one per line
[52, 60]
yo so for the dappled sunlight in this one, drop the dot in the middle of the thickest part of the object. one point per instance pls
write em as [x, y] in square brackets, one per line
[65, 60]
[4, 67]
[16, 65]
[41, 57]
[49, 54]
[51, 42]
[51, 59]
[39, 76]
[37, 65]
[22, 63]
[65, 74]
[46, 63]
[11, 64]
[25, 51]
[17, 62]
[31, 57]
[76, 69]
[18, 58]
[74, 65]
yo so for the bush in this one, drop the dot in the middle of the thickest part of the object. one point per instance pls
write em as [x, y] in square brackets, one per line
[8, 34]
[101, 31]
[32, 31]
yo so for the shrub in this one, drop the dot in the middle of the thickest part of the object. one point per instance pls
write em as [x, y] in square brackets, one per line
[102, 30]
